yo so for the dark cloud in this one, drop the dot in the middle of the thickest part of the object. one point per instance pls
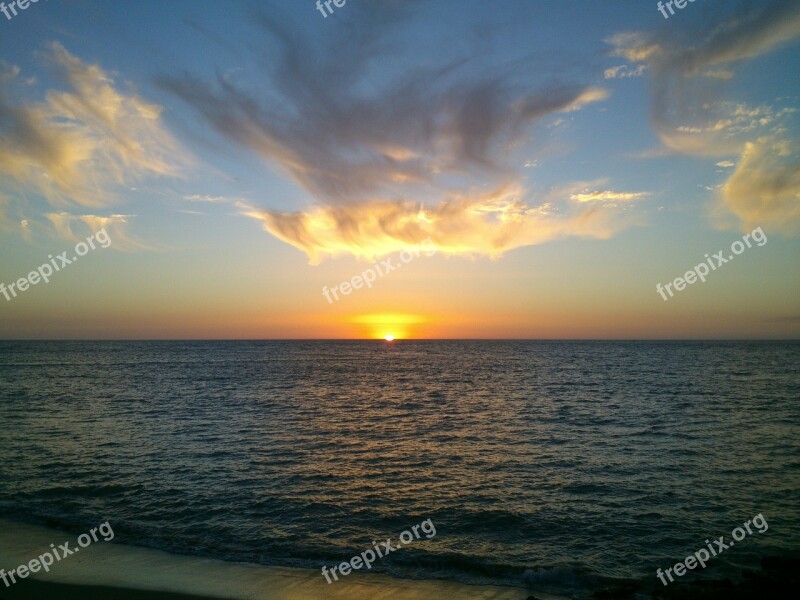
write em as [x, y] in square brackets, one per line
[351, 126]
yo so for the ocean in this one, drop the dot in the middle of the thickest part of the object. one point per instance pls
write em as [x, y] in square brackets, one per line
[548, 465]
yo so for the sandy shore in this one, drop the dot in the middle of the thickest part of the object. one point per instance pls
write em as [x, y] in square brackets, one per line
[31, 589]
[140, 573]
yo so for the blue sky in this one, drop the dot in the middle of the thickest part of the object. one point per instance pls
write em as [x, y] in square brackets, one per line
[563, 157]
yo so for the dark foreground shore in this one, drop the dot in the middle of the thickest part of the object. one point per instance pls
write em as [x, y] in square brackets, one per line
[111, 570]
[31, 589]
[778, 578]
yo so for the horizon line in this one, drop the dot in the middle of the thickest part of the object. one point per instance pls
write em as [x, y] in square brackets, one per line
[372, 339]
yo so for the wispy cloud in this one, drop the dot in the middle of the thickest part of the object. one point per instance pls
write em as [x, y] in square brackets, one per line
[635, 46]
[370, 155]
[624, 71]
[689, 118]
[608, 196]
[210, 199]
[66, 225]
[77, 144]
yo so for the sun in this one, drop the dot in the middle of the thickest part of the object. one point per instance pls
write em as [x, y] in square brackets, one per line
[389, 338]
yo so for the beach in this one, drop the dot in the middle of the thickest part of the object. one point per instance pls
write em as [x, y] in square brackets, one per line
[131, 573]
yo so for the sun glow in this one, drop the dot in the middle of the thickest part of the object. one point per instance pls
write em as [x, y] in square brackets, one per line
[382, 326]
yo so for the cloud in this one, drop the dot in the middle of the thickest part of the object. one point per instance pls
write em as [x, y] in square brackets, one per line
[689, 118]
[683, 110]
[76, 145]
[370, 151]
[608, 196]
[624, 71]
[488, 223]
[342, 148]
[207, 198]
[588, 96]
[635, 46]
[764, 190]
[719, 74]
[65, 225]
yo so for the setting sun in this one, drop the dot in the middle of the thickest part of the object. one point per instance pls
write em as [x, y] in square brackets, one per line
[382, 326]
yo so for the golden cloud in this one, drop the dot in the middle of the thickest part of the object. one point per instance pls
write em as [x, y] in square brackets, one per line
[764, 190]
[608, 196]
[486, 224]
[76, 145]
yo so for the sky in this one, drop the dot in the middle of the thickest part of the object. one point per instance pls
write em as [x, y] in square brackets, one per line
[525, 169]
